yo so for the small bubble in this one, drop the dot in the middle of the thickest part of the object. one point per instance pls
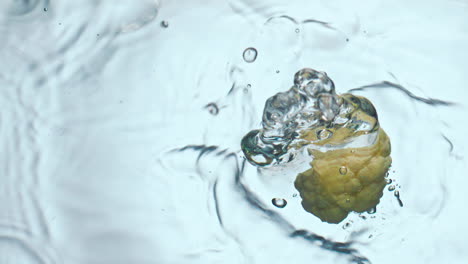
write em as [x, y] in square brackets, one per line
[363, 217]
[347, 39]
[212, 108]
[324, 134]
[45, 9]
[397, 195]
[372, 210]
[370, 236]
[279, 202]
[297, 30]
[277, 71]
[248, 85]
[295, 195]
[389, 181]
[250, 55]
[391, 188]
[164, 24]
[343, 170]
[347, 225]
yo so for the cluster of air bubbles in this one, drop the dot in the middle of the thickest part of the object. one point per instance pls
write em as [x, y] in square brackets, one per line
[310, 102]
[392, 187]
[250, 55]
[279, 202]
[310, 108]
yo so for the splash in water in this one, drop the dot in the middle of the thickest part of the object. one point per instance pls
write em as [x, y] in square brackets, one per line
[351, 153]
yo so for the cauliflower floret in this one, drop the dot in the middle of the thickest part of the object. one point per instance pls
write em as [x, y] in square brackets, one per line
[345, 180]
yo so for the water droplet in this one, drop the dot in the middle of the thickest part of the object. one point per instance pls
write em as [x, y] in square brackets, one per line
[372, 210]
[324, 134]
[343, 170]
[391, 188]
[164, 24]
[212, 108]
[297, 30]
[250, 55]
[279, 202]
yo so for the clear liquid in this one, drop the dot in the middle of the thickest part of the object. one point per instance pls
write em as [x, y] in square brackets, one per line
[111, 155]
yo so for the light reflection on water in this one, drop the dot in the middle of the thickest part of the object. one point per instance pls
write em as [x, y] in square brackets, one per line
[121, 128]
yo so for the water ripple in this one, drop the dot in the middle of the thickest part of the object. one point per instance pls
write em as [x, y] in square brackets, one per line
[17, 8]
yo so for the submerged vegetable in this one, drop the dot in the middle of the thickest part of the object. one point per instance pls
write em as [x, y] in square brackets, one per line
[345, 180]
[350, 151]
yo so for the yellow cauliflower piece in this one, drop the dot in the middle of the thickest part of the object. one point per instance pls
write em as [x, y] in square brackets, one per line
[345, 180]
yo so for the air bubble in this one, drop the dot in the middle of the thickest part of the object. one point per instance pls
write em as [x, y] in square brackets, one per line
[389, 181]
[250, 55]
[391, 188]
[372, 210]
[347, 225]
[164, 24]
[343, 170]
[295, 195]
[297, 30]
[324, 134]
[397, 195]
[279, 202]
[212, 108]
